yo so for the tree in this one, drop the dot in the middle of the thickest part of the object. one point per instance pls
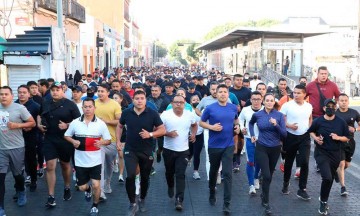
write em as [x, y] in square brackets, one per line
[221, 29]
[191, 52]
[161, 49]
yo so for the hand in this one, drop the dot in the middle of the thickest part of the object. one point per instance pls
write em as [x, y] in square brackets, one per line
[76, 143]
[319, 140]
[62, 125]
[144, 134]
[243, 103]
[351, 129]
[119, 146]
[334, 136]
[237, 129]
[42, 128]
[272, 121]
[216, 127]
[98, 143]
[253, 139]
[244, 131]
[13, 125]
[192, 138]
[293, 126]
[172, 134]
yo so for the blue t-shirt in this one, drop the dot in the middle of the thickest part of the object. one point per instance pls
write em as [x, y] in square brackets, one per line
[225, 115]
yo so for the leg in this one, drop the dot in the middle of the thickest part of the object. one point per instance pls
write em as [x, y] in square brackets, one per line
[51, 176]
[291, 148]
[180, 169]
[262, 159]
[169, 162]
[341, 172]
[121, 162]
[96, 190]
[131, 163]
[145, 163]
[110, 155]
[66, 173]
[323, 162]
[30, 158]
[198, 145]
[215, 159]
[2, 189]
[303, 158]
[250, 165]
[227, 173]
[206, 142]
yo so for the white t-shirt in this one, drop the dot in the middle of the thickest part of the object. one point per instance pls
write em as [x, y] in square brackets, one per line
[87, 155]
[79, 106]
[299, 114]
[181, 125]
[244, 119]
[253, 84]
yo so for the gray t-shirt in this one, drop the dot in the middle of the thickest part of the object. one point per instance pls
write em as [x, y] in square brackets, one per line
[12, 139]
[206, 101]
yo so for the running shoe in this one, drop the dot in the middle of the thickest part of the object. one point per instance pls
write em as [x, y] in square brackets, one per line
[256, 184]
[88, 194]
[226, 209]
[323, 208]
[133, 209]
[302, 194]
[27, 180]
[102, 197]
[21, 201]
[94, 211]
[141, 203]
[343, 191]
[178, 205]
[285, 189]
[297, 174]
[121, 178]
[67, 194]
[50, 202]
[107, 187]
[196, 175]
[40, 172]
[252, 190]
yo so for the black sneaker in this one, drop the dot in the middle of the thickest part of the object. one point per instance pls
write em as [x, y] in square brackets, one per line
[141, 203]
[170, 192]
[267, 209]
[33, 186]
[50, 202]
[285, 189]
[40, 173]
[178, 205]
[67, 194]
[212, 199]
[226, 209]
[323, 208]
[302, 194]
[133, 209]
[343, 191]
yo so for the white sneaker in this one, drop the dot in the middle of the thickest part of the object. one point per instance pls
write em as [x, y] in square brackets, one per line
[107, 187]
[116, 168]
[121, 178]
[196, 175]
[218, 180]
[256, 184]
[27, 180]
[252, 190]
[137, 185]
[102, 196]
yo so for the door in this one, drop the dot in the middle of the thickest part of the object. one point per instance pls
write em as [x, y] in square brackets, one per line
[21, 74]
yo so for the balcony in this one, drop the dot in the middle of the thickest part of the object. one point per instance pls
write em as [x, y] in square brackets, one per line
[76, 12]
[127, 44]
[71, 9]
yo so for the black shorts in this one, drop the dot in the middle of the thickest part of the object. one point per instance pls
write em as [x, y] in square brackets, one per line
[84, 174]
[347, 150]
[57, 148]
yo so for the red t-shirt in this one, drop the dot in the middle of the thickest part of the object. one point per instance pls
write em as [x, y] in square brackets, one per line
[329, 89]
[131, 92]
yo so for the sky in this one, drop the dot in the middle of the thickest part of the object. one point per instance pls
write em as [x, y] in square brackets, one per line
[171, 20]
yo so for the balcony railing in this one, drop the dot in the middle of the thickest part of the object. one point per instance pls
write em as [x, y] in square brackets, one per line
[71, 9]
[127, 43]
[76, 12]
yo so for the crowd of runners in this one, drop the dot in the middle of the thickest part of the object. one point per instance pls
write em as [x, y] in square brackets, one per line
[98, 124]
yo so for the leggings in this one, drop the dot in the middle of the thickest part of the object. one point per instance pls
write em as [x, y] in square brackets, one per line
[266, 158]
[195, 150]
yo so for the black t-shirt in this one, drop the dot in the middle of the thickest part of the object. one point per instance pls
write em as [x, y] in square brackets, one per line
[189, 95]
[350, 116]
[53, 112]
[147, 120]
[203, 90]
[323, 127]
[242, 94]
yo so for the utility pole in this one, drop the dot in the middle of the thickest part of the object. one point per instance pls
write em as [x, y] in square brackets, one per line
[59, 12]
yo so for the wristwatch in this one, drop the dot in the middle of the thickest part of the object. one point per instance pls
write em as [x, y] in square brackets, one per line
[151, 134]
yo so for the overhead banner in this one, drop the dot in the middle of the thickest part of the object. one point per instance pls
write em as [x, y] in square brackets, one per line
[283, 46]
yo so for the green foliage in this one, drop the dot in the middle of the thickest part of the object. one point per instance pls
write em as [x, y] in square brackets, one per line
[221, 29]
[161, 50]
[191, 52]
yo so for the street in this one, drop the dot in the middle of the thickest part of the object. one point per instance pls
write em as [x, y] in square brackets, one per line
[196, 196]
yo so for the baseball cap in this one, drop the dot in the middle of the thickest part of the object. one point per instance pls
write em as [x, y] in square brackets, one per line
[92, 89]
[177, 80]
[76, 88]
[327, 101]
[191, 85]
[56, 84]
[169, 84]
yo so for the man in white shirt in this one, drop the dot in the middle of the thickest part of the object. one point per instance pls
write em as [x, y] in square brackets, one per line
[298, 114]
[177, 122]
[254, 82]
